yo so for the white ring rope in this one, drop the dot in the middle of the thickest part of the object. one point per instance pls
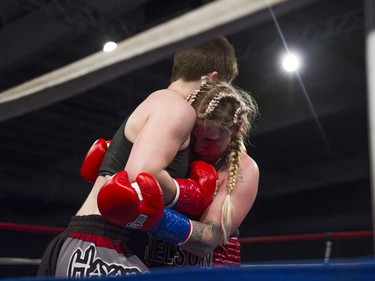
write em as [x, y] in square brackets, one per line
[19, 261]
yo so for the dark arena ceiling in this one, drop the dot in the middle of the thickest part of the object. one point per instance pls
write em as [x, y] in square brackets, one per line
[310, 142]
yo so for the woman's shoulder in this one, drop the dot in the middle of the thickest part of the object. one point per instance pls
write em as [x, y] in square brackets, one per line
[167, 98]
[161, 106]
[247, 163]
[170, 107]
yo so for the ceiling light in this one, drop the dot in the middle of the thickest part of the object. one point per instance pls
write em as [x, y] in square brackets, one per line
[109, 46]
[291, 62]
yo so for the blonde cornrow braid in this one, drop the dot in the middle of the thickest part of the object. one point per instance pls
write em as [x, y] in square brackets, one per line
[238, 114]
[192, 97]
[215, 101]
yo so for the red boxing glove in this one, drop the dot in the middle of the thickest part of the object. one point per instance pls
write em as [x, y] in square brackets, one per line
[137, 205]
[195, 194]
[94, 157]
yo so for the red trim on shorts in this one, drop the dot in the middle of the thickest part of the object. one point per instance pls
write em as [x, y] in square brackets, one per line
[101, 241]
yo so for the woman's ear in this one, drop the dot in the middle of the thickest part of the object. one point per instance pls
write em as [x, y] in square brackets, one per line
[213, 75]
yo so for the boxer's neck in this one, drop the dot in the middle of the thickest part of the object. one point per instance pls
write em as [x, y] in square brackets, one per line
[184, 88]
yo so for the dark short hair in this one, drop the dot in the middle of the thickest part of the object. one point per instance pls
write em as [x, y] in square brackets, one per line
[217, 55]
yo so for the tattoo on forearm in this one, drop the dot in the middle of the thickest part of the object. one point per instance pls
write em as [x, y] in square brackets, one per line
[204, 238]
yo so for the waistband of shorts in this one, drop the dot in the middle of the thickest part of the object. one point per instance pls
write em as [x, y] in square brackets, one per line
[96, 225]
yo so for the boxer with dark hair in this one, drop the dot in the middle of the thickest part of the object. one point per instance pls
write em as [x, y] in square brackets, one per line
[152, 146]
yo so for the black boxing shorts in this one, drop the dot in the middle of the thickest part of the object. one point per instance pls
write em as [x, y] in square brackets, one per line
[90, 247]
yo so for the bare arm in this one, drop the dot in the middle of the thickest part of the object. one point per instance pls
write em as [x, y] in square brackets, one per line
[207, 234]
[204, 238]
[161, 136]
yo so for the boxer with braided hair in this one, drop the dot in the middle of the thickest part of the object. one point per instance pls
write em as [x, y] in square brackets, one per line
[234, 111]
[225, 115]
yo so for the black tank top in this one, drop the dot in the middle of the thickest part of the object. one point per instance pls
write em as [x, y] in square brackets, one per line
[119, 150]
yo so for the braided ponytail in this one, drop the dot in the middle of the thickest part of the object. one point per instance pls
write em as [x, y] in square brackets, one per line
[233, 166]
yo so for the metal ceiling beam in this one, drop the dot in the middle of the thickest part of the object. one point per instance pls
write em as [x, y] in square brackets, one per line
[55, 23]
[219, 17]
